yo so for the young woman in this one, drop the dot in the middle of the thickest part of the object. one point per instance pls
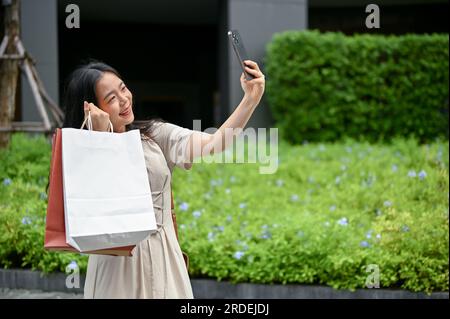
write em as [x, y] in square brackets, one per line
[157, 268]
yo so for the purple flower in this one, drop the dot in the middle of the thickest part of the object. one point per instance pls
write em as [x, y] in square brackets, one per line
[7, 181]
[412, 174]
[216, 182]
[279, 182]
[387, 203]
[242, 244]
[229, 218]
[238, 255]
[364, 244]
[343, 221]
[369, 234]
[422, 174]
[266, 235]
[332, 208]
[184, 206]
[73, 265]
[242, 205]
[219, 228]
[26, 220]
[378, 236]
[196, 214]
[294, 197]
[394, 168]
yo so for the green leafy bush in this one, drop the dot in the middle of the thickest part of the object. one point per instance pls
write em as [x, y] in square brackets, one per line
[328, 212]
[322, 87]
[24, 169]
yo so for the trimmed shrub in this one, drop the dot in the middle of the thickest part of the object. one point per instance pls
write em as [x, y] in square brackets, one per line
[323, 87]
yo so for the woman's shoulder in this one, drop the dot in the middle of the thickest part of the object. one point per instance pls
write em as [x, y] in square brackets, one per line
[163, 132]
[152, 128]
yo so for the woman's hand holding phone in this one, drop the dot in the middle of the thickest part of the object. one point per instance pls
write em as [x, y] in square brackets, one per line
[252, 79]
[253, 89]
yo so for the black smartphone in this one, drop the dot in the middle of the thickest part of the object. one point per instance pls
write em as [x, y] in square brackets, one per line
[239, 49]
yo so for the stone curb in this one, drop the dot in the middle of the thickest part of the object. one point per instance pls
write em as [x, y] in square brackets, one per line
[211, 289]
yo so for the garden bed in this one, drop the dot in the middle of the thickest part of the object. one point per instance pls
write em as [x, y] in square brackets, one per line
[329, 212]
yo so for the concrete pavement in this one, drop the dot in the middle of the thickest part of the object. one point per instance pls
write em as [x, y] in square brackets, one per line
[6, 293]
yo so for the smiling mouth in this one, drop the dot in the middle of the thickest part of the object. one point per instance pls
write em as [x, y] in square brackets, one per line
[126, 112]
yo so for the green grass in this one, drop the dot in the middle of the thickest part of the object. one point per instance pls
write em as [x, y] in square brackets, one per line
[307, 223]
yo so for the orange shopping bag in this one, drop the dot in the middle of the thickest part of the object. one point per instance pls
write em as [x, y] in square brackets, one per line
[55, 228]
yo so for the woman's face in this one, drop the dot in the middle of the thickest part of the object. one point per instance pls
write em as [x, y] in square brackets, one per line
[114, 98]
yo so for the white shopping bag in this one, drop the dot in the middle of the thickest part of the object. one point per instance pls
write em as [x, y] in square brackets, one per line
[107, 196]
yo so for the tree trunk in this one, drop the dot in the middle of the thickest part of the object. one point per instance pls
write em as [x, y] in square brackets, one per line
[9, 71]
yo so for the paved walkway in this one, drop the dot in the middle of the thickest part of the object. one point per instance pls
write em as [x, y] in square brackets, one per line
[35, 294]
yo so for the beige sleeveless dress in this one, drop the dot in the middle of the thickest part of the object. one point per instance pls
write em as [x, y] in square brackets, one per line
[157, 268]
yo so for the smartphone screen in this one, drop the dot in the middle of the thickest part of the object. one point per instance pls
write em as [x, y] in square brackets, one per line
[239, 50]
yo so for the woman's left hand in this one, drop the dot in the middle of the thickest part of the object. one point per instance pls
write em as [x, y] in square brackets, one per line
[253, 89]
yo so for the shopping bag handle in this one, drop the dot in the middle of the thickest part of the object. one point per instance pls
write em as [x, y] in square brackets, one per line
[89, 123]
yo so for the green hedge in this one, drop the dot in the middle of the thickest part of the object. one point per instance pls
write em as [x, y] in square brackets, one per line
[347, 205]
[324, 86]
[24, 169]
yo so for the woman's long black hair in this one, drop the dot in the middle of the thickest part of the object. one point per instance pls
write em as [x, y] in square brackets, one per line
[80, 87]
